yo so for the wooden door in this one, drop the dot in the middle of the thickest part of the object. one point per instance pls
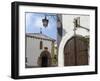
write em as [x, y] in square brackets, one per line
[76, 51]
[44, 61]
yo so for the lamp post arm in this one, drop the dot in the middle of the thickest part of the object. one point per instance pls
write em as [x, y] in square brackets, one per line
[84, 28]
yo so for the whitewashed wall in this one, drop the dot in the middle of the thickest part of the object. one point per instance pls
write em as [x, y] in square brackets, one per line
[33, 50]
[68, 24]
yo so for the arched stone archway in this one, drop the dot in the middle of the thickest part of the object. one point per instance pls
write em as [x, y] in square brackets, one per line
[65, 39]
[45, 59]
[61, 48]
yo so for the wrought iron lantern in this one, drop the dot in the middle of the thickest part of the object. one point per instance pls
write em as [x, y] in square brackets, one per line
[77, 22]
[45, 22]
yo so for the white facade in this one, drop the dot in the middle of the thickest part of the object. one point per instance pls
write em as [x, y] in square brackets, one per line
[68, 24]
[33, 50]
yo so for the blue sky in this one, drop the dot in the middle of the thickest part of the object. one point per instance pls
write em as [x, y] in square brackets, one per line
[34, 23]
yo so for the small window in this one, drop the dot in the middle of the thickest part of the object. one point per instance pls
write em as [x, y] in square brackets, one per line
[41, 44]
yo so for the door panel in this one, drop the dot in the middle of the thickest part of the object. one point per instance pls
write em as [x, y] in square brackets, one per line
[76, 52]
[44, 61]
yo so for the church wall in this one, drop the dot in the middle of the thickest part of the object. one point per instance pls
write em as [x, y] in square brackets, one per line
[33, 50]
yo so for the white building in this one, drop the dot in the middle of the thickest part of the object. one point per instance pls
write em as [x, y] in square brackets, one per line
[39, 50]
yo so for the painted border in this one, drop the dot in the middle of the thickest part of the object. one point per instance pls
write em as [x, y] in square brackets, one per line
[15, 39]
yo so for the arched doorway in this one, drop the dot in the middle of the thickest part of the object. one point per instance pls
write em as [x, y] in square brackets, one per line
[76, 51]
[44, 59]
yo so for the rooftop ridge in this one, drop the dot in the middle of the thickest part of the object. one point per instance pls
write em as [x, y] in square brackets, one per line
[39, 35]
